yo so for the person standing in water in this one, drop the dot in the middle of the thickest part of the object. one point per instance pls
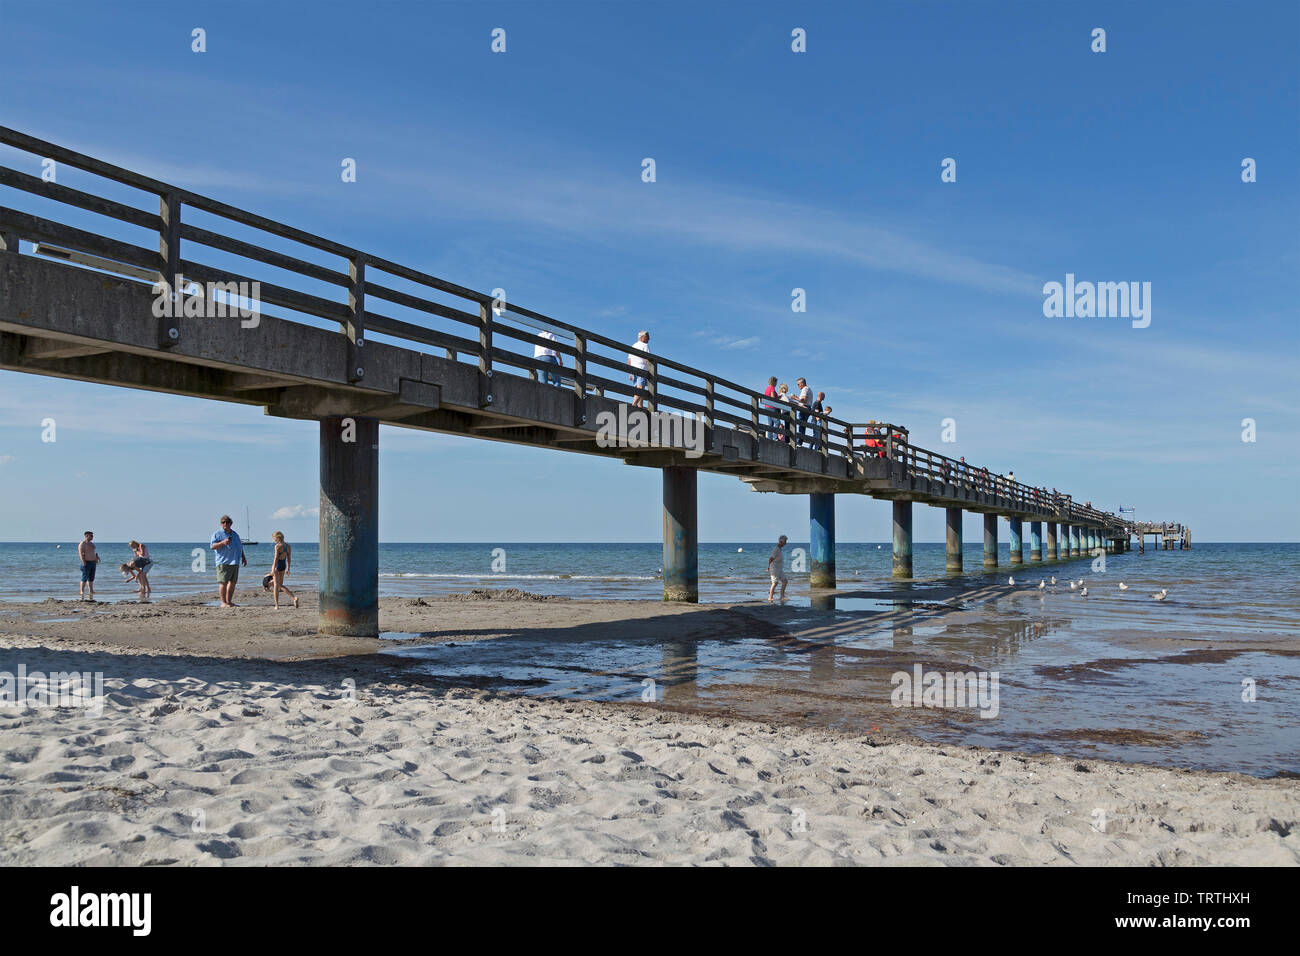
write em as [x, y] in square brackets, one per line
[282, 556]
[776, 569]
[230, 556]
[89, 562]
[139, 569]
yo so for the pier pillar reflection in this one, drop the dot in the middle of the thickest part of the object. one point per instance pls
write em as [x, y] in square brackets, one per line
[821, 519]
[349, 527]
[681, 535]
[952, 523]
[902, 539]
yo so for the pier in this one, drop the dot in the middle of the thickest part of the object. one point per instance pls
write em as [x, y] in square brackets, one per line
[359, 340]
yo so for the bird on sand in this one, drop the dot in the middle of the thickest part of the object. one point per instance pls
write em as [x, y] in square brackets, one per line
[1083, 593]
[1074, 586]
[1042, 584]
[1011, 581]
[1053, 580]
[1161, 594]
[1123, 586]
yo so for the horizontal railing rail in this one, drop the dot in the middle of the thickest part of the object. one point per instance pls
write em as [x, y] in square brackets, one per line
[363, 294]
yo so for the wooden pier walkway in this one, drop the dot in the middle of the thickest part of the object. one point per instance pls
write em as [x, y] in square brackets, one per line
[111, 291]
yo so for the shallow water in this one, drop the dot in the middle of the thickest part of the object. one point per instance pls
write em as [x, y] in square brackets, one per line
[1114, 674]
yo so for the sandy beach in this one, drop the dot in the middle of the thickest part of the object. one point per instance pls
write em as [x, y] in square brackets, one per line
[241, 737]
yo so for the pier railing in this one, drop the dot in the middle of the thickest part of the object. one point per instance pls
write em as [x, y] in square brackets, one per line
[194, 239]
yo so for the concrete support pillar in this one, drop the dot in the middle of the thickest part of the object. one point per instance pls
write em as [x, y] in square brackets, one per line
[1072, 540]
[349, 527]
[902, 539]
[1053, 553]
[1017, 546]
[681, 536]
[1035, 541]
[953, 537]
[821, 520]
[990, 541]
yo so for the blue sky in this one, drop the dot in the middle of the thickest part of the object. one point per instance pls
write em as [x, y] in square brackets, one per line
[775, 170]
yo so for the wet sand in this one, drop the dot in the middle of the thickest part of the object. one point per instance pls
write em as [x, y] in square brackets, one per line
[238, 736]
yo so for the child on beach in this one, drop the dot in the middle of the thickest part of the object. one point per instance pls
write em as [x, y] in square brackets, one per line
[282, 557]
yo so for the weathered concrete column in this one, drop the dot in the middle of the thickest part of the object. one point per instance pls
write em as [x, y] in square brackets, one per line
[681, 535]
[1053, 549]
[821, 520]
[1035, 541]
[902, 539]
[1017, 546]
[952, 561]
[349, 527]
[990, 541]
[1071, 542]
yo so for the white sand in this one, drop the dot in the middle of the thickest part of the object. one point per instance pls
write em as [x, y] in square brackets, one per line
[205, 763]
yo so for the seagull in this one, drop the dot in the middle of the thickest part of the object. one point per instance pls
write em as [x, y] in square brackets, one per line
[1053, 580]
[1041, 584]
[1161, 594]
[1074, 586]
[1083, 593]
[1011, 581]
[1123, 586]
[739, 550]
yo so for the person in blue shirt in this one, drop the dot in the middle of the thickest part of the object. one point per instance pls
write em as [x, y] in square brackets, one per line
[230, 555]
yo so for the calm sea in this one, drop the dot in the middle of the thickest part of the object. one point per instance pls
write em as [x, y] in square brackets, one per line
[1113, 675]
[1227, 577]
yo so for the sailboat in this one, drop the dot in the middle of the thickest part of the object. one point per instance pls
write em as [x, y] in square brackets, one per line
[248, 526]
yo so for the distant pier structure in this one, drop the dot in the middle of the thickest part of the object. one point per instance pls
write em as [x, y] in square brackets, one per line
[142, 284]
[1169, 536]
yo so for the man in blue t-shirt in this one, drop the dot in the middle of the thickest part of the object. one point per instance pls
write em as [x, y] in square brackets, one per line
[230, 555]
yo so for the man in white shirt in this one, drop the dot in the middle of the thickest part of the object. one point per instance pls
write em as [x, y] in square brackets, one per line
[548, 355]
[776, 568]
[639, 361]
[803, 398]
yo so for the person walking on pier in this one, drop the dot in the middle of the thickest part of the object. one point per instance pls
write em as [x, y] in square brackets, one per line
[641, 363]
[282, 560]
[776, 569]
[803, 401]
[771, 409]
[230, 555]
[787, 414]
[89, 561]
[819, 421]
[548, 355]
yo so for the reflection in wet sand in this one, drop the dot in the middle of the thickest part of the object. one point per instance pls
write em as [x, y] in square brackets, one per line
[1068, 682]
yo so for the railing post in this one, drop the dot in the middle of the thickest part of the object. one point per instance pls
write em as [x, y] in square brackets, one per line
[169, 267]
[355, 326]
[653, 401]
[484, 354]
[579, 379]
[753, 418]
[708, 403]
